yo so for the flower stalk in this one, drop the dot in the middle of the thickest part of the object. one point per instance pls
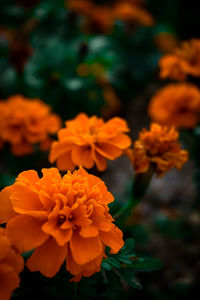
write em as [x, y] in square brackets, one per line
[139, 188]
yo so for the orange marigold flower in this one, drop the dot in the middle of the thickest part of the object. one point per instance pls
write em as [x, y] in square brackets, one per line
[88, 141]
[185, 60]
[11, 264]
[26, 122]
[189, 53]
[158, 149]
[61, 218]
[177, 105]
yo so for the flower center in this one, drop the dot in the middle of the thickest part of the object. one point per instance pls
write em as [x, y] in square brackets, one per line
[61, 219]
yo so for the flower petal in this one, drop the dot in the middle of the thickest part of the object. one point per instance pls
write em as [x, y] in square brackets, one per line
[47, 258]
[82, 156]
[107, 150]
[29, 178]
[100, 161]
[64, 162]
[62, 236]
[15, 260]
[6, 210]
[25, 232]
[9, 281]
[121, 141]
[24, 200]
[57, 149]
[89, 231]
[113, 239]
[4, 246]
[85, 249]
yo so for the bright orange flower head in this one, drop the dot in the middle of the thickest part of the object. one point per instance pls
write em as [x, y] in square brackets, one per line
[185, 60]
[26, 122]
[61, 218]
[88, 141]
[157, 149]
[11, 264]
[177, 105]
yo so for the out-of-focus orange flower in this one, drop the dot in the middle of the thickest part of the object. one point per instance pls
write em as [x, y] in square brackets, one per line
[26, 122]
[61, 218]
[166, 42]
[97, 18]
[11, 264]
[158, 149]
[100, 17]
[18, 41]
[130, 12]
[176, 104]
[189, 53]
[96, 69]
[112, 102]
[185, 60]
[170, 67]
[88, 141]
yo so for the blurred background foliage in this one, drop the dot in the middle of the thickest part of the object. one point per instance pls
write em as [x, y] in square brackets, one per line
[45, 53]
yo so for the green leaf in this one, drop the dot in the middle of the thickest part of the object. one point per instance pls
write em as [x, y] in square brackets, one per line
[105, 265]
[129, 277]
[114, 262]
[145, 264]
[128, 247]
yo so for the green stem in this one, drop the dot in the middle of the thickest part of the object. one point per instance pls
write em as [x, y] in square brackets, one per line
[75, 290]
[139, 189]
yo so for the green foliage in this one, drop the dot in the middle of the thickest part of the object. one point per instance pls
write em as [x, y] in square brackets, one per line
[56, 48]
[117, 276]
[126, 264]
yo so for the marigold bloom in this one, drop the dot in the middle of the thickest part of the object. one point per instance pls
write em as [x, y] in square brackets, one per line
[11, 264]
[100, 17]
[61, 218]
[88, 141]
[166, 42]
[131, 12]
[170, 67]
[185, 60]
[177, 105]
[158, 149]
[26, 122]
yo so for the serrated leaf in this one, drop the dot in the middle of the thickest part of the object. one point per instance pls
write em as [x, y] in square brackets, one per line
[145, 264]
[114, 262]
[129, 277]
[105, 265]
[128, 247]
[125, 259]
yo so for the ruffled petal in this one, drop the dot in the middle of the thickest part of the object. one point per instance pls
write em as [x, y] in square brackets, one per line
[25, 232]
[48, 258]
[107, 150]
[82, 156]
[89, 231]
[6, 209]
[113, 239]
[85, 249]
[9, 281]
[64, 162]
